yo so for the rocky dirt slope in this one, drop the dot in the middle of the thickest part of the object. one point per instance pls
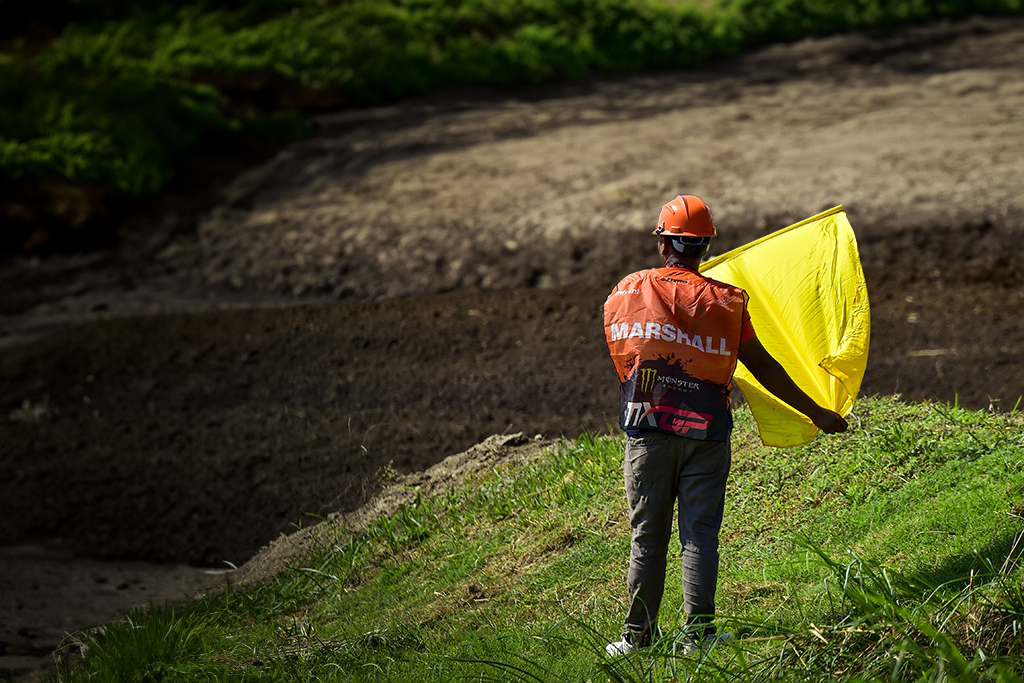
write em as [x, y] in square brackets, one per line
[414, 279]
[466, 243]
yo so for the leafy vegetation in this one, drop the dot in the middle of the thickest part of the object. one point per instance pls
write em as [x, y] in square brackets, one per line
[127, 89]
[888, 553]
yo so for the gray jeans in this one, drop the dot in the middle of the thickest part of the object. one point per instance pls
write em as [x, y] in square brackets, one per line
[659, 470]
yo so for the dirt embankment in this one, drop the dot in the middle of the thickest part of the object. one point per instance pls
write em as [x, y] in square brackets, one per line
[414, 279]
[488, 228]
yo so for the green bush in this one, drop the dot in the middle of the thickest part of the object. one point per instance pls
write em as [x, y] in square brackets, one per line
[128, 88]
[126, 131]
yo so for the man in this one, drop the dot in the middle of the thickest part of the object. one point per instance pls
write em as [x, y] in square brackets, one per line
[674, 337]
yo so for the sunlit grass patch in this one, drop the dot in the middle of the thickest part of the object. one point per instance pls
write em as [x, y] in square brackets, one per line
[891, 552]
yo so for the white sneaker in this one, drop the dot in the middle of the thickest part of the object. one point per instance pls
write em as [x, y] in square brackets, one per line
[623, 647]
[705, 644]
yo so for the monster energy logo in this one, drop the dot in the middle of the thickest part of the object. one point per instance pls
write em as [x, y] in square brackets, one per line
[647, 378]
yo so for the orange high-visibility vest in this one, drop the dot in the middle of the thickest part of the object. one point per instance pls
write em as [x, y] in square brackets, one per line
[674, 337]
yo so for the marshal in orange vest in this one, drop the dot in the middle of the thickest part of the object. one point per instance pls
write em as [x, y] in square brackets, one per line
[674, 337]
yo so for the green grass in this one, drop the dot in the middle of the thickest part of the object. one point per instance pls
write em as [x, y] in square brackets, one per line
[887, 553]
[127, 90]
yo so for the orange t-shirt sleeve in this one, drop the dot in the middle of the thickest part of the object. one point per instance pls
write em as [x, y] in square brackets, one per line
[747, 328]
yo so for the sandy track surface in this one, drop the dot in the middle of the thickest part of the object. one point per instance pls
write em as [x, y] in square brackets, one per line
[416, 278]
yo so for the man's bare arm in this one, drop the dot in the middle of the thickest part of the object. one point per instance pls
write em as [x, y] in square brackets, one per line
[775, 379]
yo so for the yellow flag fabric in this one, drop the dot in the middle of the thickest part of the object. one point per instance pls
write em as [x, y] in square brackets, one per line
[809, 307]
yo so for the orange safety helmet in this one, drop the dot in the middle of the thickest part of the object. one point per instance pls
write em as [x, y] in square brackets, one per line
[686, 216]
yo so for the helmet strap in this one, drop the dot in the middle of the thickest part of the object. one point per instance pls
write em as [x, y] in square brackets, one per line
[690, 246]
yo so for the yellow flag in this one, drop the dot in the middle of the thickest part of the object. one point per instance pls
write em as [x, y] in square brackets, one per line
[809, 307]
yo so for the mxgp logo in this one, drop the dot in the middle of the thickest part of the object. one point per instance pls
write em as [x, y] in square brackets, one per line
[648, 376]
[673, 420]
[636, 413]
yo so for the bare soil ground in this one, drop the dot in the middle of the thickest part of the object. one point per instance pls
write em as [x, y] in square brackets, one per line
[416, 278]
